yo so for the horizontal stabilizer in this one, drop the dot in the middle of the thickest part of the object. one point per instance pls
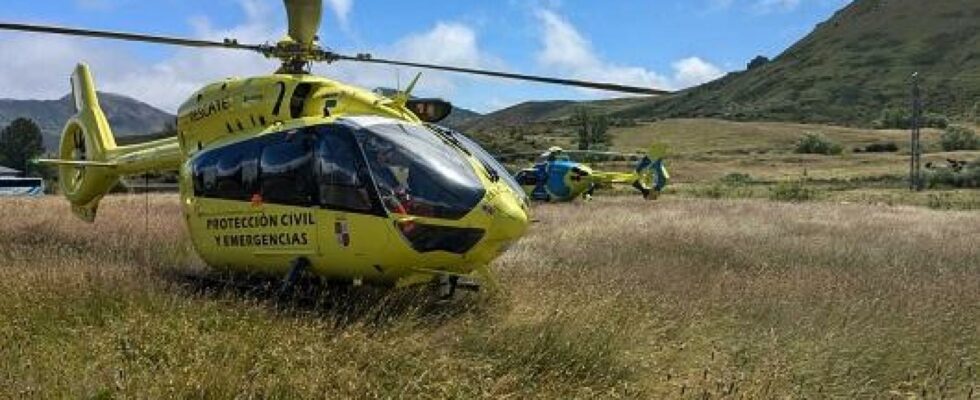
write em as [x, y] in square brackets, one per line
[78, 163]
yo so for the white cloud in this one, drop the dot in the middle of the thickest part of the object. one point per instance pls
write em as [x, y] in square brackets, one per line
[43, 63]
[694, 71]
[38, 66]
[565, 51]
[341, 9]
[447, 43]
[169, 82]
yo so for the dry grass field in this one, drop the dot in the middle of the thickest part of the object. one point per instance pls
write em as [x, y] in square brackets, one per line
[617, 298]
[705, 151]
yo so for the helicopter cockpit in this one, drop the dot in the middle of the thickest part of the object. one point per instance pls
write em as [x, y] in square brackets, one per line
[417, 174]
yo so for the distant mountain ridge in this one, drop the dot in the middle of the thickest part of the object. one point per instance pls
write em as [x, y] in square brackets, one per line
[543, 111]
[127, 116]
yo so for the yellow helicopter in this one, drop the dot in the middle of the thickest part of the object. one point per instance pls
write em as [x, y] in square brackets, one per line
[291, 172]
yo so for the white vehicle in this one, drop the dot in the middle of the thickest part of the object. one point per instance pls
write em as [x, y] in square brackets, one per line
[12, 186]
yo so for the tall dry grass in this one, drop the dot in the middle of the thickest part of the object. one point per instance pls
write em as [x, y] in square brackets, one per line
[614, 298]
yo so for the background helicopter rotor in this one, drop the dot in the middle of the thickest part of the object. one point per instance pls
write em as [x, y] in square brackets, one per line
[300, 49]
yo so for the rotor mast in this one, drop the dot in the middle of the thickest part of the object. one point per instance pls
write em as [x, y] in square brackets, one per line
[299, 49]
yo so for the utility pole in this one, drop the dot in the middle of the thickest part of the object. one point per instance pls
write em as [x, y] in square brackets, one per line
[915, 159]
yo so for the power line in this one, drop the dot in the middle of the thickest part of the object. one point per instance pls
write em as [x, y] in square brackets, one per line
[915, 159]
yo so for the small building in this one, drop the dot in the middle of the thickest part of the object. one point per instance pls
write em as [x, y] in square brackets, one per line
[11, 184]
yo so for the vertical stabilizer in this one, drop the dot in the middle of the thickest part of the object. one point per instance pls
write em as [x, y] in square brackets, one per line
[89, 162]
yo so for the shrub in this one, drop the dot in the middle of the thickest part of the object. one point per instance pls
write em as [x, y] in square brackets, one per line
[884, 147]
[732, 185]
[900, 118]
[736, 179]
[966, 177]
[959, 138]
[812, 143]
[931, 120]
[714, 191]
[794, 191]
[722, 191]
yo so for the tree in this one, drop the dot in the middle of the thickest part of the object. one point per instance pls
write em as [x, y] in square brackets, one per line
[592, 129]
[21, 142]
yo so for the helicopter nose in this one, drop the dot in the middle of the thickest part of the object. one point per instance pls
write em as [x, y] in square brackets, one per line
[510, 219]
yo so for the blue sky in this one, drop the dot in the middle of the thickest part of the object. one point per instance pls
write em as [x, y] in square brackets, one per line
[664, 43]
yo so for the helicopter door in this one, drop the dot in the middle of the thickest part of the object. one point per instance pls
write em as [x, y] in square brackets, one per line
[254, 199]
[354, 226]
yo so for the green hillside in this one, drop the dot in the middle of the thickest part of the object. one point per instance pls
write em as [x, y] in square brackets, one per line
[544, 111]
[849, 69]
[127, 116]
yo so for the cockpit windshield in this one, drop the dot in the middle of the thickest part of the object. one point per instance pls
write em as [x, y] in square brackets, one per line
[417, 173]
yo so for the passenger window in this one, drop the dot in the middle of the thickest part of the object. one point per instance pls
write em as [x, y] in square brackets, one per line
[229, 172]
[342, 179]
[286, 167]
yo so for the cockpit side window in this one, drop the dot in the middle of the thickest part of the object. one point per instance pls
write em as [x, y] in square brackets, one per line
[343, 182]
[527, 178]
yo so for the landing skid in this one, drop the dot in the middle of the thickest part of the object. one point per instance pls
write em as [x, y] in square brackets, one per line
[296, 269]
[446, 285]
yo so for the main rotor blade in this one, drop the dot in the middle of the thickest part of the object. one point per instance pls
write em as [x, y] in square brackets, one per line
[533, 78]
[593, 152]
[129, 36]
[304, 19]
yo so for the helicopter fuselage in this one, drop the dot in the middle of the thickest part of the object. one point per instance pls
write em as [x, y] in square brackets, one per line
[286, 167]
[556, 180]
